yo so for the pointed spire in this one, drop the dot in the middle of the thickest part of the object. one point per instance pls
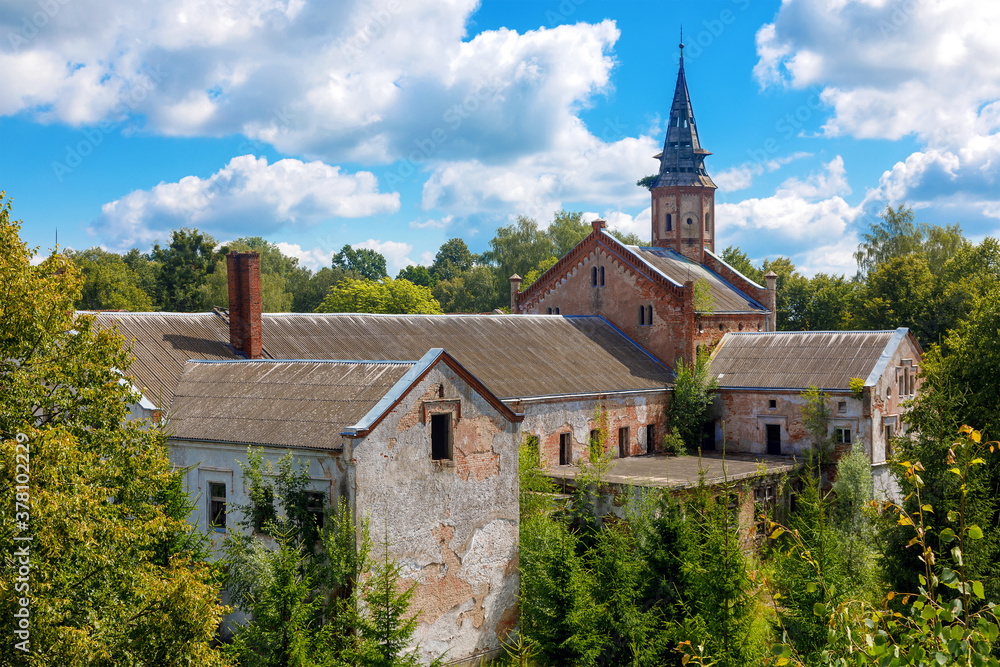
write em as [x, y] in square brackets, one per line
[682, 161]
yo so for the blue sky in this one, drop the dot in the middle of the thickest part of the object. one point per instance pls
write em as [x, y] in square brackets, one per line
[397, 124]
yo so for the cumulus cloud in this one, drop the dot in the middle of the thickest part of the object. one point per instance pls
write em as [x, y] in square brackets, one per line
[247, 196]
[809, 216]
[361, 80]
[741, 176]
[313, 259]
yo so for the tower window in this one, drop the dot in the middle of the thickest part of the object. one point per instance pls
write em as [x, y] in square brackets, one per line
[441, 436]
[642, 315]
[670, 222]
[706, 222]
[557, 310]
[690, 221]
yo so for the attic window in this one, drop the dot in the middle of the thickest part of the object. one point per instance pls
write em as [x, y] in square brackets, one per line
[441, 437]
[772, 404]
[841, 406]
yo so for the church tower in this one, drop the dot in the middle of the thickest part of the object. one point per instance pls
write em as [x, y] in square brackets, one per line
[683, 206]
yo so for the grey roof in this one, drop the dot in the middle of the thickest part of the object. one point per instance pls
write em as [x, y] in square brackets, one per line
[281, 403]
[726, 297]
[514, 356]
[802, 359]
[682, 161]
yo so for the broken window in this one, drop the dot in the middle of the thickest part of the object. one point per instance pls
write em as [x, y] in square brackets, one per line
[595, 437]
[217, 505]
[623, 449]
[888, 441]
[441, 436]
[650, 438]
[842, 436]
[565, 449]
[316, 506]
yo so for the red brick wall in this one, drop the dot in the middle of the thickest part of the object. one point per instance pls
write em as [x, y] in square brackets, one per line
[243, 274]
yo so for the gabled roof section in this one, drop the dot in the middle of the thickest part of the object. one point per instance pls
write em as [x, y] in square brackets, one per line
[682, 161]
[515, 356]
[299, 404]
[802, 359]
[726, 297]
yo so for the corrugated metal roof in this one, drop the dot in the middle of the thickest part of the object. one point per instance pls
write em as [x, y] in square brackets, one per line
[514, 356]
[726, 298]
[280, 403]
[798, 359]
[163, 342]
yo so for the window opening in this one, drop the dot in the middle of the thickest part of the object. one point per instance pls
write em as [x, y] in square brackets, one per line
[557, 310]
[602, 276]
[315, 505]
[841, 406]
[565, 449]
[595, 437]
[441, 436]
[217, 505]
[888, 441]
[650, 438]
[772, 403]
[593, 276]
[842, 436]
[706, 222]
[670, 222]
[774, 439]
[690, 221]
[623, 442]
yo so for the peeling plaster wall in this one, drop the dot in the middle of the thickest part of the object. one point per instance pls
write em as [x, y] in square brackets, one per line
[549, 419]
[745, 414]
[453, 525]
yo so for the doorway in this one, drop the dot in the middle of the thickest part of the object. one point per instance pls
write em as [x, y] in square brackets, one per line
[774, 439]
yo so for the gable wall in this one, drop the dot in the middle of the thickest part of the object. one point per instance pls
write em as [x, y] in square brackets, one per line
[453, 525]
[618, 301]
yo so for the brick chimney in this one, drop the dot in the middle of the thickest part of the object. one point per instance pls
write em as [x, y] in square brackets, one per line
[244, 303]
[598, 225]
[771, 279]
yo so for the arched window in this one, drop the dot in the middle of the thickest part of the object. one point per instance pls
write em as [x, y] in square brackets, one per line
[690, 221]
[557, 310]
[670, 222]
[550, 311]
[649, 315]
[602, 276]
[642, 315]
[707, 222]
[593, 276]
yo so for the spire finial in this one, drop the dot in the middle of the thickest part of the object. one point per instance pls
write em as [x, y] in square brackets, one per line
[682, 42]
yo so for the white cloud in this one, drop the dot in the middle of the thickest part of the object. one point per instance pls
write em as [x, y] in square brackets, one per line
[620, 221]
[741, 176]
[808, 217]
[440, 223]
[313, 259]
[395, 253]
[246, 197]
[360, 80]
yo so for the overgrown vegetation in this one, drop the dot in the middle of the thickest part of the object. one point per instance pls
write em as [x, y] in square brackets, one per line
[691, 401]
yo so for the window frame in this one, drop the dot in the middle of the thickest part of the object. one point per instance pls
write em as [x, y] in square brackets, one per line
[223, 509]
[446, 417]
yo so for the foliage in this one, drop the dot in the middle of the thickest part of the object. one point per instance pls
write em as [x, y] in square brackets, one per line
[627, 238]
[308, 292]
[948, 620]
[647, 181]
[703, 300]
[692, 398]
[474, 291]
[184, 268]
[452, 259]
[109, 282]
[364, 263]
[418, 275]
[517, 248]
[816, 419]
[537, 272]
[116, 573]
[857, 386]
[740, 261]
[279, 276]
[566, 230]
[673, 443]
[383, 296]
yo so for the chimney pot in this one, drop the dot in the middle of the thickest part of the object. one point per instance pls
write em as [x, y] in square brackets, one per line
[598, 224]
[515, 287]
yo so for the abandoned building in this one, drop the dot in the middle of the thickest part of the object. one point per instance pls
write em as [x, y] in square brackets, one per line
[416, 419]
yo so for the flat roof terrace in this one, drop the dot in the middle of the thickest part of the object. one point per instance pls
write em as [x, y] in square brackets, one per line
[681, 472]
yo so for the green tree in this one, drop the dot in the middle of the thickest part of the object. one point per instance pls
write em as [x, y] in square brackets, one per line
[383, 296]
[692, 398]
[452, 259]
[184, 268]
[474, 291]
[517, 248]
[899, 291]
[566, 230]
[308, 293]
[896, 236]
[739, 260]
[363, 262]
[116, 574]
[277, 273]
[418, 275]
[628, 238]
[146, 273]
[109, 283]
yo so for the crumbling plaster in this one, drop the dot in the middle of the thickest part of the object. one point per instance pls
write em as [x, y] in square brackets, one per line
[453, 525]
